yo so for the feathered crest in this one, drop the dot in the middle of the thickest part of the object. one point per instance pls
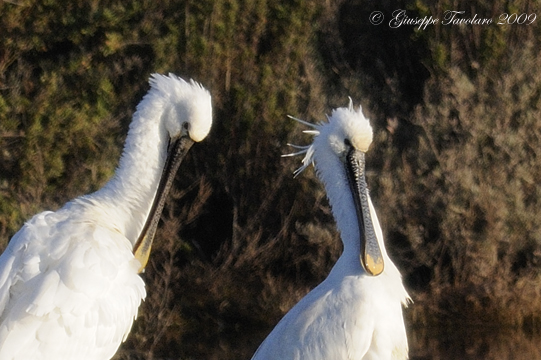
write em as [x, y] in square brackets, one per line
[306, 149]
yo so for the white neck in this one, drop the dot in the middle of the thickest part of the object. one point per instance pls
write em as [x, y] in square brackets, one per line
[128, 196]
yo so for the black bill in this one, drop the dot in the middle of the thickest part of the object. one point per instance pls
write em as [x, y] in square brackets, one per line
[371, 256]
[177, 150]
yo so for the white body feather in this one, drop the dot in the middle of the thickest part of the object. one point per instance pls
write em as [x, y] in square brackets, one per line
[350, 315]
[69, 283]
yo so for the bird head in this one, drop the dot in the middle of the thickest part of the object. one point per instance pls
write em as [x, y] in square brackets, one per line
[188, 108]
[346, 129]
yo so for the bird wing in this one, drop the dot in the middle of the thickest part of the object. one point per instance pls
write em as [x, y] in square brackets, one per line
[358, 317]
[325, 324]
[68, 288]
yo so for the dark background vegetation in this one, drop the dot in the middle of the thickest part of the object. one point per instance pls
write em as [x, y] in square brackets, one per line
[454, 168]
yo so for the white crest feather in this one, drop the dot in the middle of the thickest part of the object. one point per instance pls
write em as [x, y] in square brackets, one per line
[303, 149]
[303, 122]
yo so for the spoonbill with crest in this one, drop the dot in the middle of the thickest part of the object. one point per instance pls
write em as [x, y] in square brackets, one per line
[69, 280]
[356, 312]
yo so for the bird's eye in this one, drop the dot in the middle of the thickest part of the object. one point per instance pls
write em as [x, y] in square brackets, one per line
[186, 126]
[347, 142]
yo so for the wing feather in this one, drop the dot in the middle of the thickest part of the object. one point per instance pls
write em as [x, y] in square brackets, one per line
[68, 288]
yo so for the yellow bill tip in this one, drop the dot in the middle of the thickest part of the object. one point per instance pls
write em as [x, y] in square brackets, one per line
[373, 266]
[142, 255]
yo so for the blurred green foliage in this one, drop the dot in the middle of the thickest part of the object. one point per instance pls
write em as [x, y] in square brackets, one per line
[454, 167]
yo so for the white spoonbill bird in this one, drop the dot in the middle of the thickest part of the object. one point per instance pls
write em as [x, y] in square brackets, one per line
[356, 312]
[69, 280]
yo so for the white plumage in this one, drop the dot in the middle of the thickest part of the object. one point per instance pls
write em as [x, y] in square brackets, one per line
[356, 312]
[69, 283]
